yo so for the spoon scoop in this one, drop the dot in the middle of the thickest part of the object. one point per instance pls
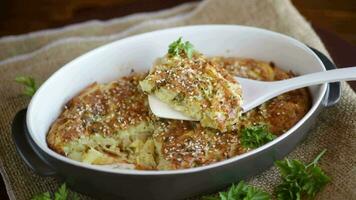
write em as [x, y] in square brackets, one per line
[254, 93]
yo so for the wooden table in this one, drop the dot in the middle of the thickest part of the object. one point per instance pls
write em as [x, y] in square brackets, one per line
[334, 21]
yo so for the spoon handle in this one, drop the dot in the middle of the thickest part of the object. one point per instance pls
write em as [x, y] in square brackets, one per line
[263, 91]
[344, 74]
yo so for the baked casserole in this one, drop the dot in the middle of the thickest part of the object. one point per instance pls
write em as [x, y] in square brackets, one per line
[111, 124]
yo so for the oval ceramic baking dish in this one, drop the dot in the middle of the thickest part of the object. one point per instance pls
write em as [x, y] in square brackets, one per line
[117, 59]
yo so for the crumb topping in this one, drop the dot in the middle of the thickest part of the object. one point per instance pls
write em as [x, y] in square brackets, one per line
[107, 108]
[188, 144]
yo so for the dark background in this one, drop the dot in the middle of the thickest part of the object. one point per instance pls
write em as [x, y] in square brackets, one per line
[333, 20]
[22, 16]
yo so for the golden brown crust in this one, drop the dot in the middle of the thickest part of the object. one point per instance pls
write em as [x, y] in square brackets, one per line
[280, 113]
[102, 109]
[245, 67]
[286, 110]
[187, 144]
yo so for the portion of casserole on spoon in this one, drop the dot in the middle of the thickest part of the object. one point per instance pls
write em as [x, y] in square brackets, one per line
[188, 82]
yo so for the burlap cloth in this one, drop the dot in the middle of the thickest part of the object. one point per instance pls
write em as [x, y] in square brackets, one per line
[40, 54]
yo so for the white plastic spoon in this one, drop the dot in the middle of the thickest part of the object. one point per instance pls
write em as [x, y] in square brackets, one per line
[254, 93]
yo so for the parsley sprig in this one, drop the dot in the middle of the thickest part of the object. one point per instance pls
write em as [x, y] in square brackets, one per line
[241, 191]
[255, 136]
[178, 47]
[29, 83]
[300, 180]
[61, 194]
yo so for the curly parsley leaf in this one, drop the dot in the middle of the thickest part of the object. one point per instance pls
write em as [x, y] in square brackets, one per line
[61, 194]
[242, 191]
[29, 83]
[178, 47]
[43, 196]
[300, 180]
[255, 136]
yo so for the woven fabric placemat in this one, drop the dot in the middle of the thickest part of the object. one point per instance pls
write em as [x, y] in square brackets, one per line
[40, 54]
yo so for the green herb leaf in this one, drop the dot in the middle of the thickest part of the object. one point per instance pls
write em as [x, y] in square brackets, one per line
[255, 136]
[29, 83]
[178, 47]
[62, 193]
[43, 196]
[300, 180]
[242, 191]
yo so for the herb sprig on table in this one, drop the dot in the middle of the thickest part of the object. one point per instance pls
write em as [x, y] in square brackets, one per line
[241, 191]
[255, 136]
[61, 194]
[179, 47]
[29, 83]
[300, 180]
